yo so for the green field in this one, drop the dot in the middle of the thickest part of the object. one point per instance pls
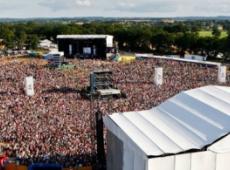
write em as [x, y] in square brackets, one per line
[209, 34]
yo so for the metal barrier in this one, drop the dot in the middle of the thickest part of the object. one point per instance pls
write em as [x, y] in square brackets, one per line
[45, 167]
[13, 166]
[82, 168]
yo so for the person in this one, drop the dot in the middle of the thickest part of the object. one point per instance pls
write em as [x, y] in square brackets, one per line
[57, 126]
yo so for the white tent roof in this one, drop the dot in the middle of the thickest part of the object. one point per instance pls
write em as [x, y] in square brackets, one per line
[190, 120]
[45, 41]
[86, 36]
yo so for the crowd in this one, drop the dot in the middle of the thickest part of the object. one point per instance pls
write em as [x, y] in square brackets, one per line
[56, 125]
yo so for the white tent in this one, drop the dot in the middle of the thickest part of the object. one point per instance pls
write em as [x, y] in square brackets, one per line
[187, 132]
[45, 43]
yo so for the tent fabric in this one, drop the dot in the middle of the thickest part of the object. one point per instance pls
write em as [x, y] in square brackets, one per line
[206, 160]
[192, 119]
[222, 146]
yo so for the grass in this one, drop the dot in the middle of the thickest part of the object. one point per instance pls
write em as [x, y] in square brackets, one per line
[224, 34]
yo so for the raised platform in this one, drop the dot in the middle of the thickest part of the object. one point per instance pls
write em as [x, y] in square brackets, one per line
[108, 92]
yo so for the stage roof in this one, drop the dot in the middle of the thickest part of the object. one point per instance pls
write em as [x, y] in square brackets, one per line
[90, 36]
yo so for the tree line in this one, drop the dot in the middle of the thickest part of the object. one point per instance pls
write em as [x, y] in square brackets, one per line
[134, 37]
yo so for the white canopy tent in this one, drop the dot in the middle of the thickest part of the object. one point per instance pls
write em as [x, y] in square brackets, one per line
[187, 132]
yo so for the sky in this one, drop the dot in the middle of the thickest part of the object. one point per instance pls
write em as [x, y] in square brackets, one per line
[113, 8]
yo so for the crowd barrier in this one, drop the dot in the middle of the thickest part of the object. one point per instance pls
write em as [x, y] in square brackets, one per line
[127, 59]
[12, 166]
[82, 168]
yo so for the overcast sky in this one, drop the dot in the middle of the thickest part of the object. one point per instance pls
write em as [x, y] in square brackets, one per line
[113, 8]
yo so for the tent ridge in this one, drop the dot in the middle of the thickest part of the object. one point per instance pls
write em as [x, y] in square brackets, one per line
[160, 131]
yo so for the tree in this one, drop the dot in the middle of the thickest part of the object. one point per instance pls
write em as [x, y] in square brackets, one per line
[186, 41]
[226, 50]
[162, 41]
[21, 39]
[228, 41]
[33, 41]
[216, 32]
[176, 28]
[8, 35]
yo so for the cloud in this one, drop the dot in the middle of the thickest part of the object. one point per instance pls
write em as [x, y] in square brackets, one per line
[113, 8]
[145, 7]
[58, 5]
[8, 6]
[83, 3]
[128, 6]
[220, 7]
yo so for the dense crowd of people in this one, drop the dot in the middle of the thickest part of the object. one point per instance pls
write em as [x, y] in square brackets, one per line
[56, 125]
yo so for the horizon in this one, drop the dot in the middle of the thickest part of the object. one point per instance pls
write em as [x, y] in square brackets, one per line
[121, 17]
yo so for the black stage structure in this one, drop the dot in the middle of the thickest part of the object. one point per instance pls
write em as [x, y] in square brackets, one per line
[101, 89]
[86, 46]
